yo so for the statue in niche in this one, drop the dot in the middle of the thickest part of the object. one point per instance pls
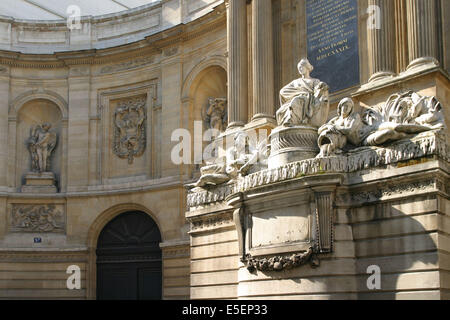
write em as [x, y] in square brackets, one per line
[403, 115]
[130, 129]
[346, 127]
[238, 161]
[41, 144]
[215, 115]
[302, 99]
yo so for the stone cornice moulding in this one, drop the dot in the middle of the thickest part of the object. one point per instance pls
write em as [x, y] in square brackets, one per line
[427, 144]
[397, 80]
[151, 45]
[162, 37]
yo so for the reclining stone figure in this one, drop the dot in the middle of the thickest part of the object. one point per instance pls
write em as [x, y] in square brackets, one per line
[239, 160]
[403, 115]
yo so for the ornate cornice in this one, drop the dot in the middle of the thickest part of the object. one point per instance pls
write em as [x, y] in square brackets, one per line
[17, 255]
[427, 144]
[177, 252]
[207, 223]
[400, 189]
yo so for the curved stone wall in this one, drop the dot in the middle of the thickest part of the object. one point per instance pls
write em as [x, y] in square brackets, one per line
[165, 59]
[100, 32]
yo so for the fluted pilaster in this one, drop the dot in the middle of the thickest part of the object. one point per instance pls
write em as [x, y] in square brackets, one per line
[237, 63]
[401, 36]
[263, 76]
[422, 32]
[382, 40]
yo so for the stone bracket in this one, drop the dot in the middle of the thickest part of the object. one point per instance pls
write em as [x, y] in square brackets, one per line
[324, 220]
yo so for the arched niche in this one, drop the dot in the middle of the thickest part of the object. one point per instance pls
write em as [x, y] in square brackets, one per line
[211, 83]
[205, 81]
[32, 113]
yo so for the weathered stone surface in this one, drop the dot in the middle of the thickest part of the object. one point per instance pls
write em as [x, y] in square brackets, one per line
[390, 205]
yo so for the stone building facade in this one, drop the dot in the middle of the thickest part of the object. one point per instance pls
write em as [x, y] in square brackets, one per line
[103, 191]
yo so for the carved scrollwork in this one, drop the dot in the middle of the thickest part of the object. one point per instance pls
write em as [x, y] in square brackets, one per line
[280, 263]
[130, 129]
[208, 224]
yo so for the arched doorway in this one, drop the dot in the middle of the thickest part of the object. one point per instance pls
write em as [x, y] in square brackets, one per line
[129, 260]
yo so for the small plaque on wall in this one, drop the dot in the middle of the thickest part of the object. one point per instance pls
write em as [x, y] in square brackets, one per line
[333, 49]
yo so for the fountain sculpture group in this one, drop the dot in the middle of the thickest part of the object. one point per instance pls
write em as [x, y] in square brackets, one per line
[283, 211]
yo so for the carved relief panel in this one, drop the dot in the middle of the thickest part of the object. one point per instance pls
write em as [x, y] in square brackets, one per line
[38, 218]
[127, 122]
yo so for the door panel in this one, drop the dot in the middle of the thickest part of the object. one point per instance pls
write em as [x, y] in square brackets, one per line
[149, 282]
[129, 260]
[112, 278]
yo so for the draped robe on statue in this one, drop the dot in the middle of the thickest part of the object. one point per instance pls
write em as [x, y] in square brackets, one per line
[300, 100]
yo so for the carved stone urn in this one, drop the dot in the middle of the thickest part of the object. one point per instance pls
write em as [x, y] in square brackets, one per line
[290, 144]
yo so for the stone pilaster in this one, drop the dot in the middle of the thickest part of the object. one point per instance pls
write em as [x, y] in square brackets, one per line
[382, 41]
[79, 88]
[263, 76]
[237, 63]
[422, 32]
[4, 107]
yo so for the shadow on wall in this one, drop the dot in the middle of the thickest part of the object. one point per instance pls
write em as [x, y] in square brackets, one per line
[399, 237]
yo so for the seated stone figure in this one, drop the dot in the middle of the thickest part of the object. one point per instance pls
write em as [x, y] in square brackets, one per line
[302, 99]
[403, 114]
[239, 159]
[346, 127]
